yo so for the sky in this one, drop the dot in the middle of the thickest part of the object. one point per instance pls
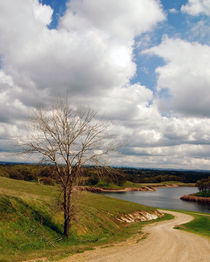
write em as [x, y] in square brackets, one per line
[142, 65]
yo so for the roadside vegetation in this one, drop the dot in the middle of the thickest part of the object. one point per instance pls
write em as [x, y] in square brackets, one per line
[31, 221]
[199, 225]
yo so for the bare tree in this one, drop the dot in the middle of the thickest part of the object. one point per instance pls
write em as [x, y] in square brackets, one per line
[68, 139]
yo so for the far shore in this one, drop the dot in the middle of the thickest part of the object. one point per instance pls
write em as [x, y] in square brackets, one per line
[151, 187]
[193, 198]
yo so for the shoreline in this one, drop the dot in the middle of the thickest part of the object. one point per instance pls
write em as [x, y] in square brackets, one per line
[114, 190]
[193, 198]
[126, 189]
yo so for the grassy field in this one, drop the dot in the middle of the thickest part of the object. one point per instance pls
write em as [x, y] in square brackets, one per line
[31, 221]
[199, 225]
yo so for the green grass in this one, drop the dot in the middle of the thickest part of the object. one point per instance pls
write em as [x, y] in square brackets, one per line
[26, 189]
[199, 225]
[178, 183]
[202, 194]
[139, 185]
[31, 222]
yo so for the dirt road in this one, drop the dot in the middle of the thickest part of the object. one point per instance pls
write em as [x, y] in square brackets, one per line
[162, 244]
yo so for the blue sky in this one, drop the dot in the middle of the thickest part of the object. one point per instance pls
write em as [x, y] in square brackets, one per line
[143, 66]
[59, 7]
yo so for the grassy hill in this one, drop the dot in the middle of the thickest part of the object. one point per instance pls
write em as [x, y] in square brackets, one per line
[31, 221]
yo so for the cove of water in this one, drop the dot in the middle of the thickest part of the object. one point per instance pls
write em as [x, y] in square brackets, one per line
[167, 198]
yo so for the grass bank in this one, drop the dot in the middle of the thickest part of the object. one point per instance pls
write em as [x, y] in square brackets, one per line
[199, 225]
[31, 221]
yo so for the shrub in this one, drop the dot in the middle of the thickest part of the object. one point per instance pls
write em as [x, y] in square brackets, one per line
[30, 177]
[93, 180]
[46, 172]
[15, 174]
[47, 181]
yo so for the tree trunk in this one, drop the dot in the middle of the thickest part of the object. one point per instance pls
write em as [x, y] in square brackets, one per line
[66, 227]
[67, 215]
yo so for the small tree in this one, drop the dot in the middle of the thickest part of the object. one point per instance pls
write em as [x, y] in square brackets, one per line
[68, 139]
[203, 185]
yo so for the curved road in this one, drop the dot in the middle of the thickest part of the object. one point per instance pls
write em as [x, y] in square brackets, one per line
[162, 244]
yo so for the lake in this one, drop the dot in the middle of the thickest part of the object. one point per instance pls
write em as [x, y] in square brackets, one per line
[167, 198]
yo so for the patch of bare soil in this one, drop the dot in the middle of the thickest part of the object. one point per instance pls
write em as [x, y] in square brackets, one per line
[113, 190]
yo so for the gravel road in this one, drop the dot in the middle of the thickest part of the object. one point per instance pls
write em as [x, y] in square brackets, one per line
[163, 243]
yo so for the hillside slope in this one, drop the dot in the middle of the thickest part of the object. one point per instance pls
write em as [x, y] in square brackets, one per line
[31, 221]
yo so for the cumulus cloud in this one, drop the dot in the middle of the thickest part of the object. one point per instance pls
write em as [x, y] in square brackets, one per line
[122, 19]
[171, 143]
[196, 7]
[76, 58]
[90, 56]
[185, 75]
[125, 103]
[90, 52]
[181, 156]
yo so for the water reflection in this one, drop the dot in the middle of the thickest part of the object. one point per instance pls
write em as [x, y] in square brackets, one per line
[164, 198]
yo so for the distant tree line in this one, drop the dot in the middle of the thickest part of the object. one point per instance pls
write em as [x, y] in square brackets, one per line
[158, 175]
[44, 174]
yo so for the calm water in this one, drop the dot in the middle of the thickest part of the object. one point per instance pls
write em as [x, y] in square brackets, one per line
[164, 198]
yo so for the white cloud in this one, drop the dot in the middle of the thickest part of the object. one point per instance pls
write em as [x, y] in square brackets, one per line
[42, 13]
[182, 156]
[82, 58]
[185, 75]
[196, 7]
[122, 19]
[92, 61]
[124, 103]
[200, 31]
[169, 143]
[5, 80]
